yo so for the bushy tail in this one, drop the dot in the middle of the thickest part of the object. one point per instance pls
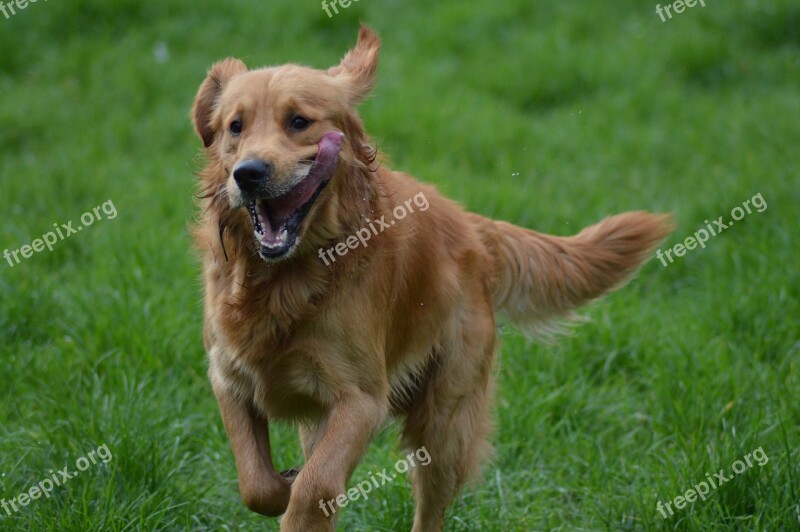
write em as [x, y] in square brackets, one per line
[541, 279]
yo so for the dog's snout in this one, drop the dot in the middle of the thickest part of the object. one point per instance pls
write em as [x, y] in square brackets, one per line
[251, 174]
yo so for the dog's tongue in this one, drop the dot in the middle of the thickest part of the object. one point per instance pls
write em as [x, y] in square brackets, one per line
[280, 209]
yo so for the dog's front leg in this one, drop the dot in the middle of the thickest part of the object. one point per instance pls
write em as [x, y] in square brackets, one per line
[340, 441]
[262, 488]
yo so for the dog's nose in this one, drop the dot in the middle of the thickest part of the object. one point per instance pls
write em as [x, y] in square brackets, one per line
[251, 174]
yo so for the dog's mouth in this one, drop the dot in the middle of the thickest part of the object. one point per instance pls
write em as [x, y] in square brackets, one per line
[278, 221]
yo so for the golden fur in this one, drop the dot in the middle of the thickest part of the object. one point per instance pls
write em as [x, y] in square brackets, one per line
[404, 326]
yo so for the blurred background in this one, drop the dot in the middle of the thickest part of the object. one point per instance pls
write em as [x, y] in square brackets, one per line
[551, 115]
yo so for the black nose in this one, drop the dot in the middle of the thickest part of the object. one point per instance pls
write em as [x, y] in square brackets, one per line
[251, 174]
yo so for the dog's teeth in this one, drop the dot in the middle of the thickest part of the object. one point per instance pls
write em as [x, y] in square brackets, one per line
[283, 236]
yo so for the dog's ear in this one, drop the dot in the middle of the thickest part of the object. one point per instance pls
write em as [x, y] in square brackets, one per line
[207, 96]
[357, 69]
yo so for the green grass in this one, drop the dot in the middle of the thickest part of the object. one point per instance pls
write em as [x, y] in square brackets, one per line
[548, 114]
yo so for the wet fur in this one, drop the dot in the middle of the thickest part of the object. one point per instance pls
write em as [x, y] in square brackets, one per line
[404, 327]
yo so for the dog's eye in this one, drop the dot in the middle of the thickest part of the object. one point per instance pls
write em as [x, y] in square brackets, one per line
[236, 127]
[299, 123]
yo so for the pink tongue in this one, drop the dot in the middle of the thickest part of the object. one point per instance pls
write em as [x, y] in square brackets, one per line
[280, 209]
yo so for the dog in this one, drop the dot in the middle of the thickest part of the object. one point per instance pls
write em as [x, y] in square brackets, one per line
[401, 327]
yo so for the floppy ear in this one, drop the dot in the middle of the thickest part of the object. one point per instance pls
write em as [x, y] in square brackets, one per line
[206, 100]
[357, 69]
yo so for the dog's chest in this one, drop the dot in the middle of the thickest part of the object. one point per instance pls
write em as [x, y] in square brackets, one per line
[253, 331]
[285, 384]
[286, 376]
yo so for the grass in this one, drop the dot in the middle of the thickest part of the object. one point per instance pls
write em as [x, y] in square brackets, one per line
[548, 114]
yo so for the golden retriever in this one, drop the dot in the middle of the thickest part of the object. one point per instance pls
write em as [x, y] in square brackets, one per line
[400, 325]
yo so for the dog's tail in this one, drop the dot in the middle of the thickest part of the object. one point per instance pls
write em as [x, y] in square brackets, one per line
[541, 279]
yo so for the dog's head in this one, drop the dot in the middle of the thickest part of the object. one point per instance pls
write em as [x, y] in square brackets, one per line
[278, 136]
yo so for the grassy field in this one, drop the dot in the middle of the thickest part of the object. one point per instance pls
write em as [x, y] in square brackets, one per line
[551, 115]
